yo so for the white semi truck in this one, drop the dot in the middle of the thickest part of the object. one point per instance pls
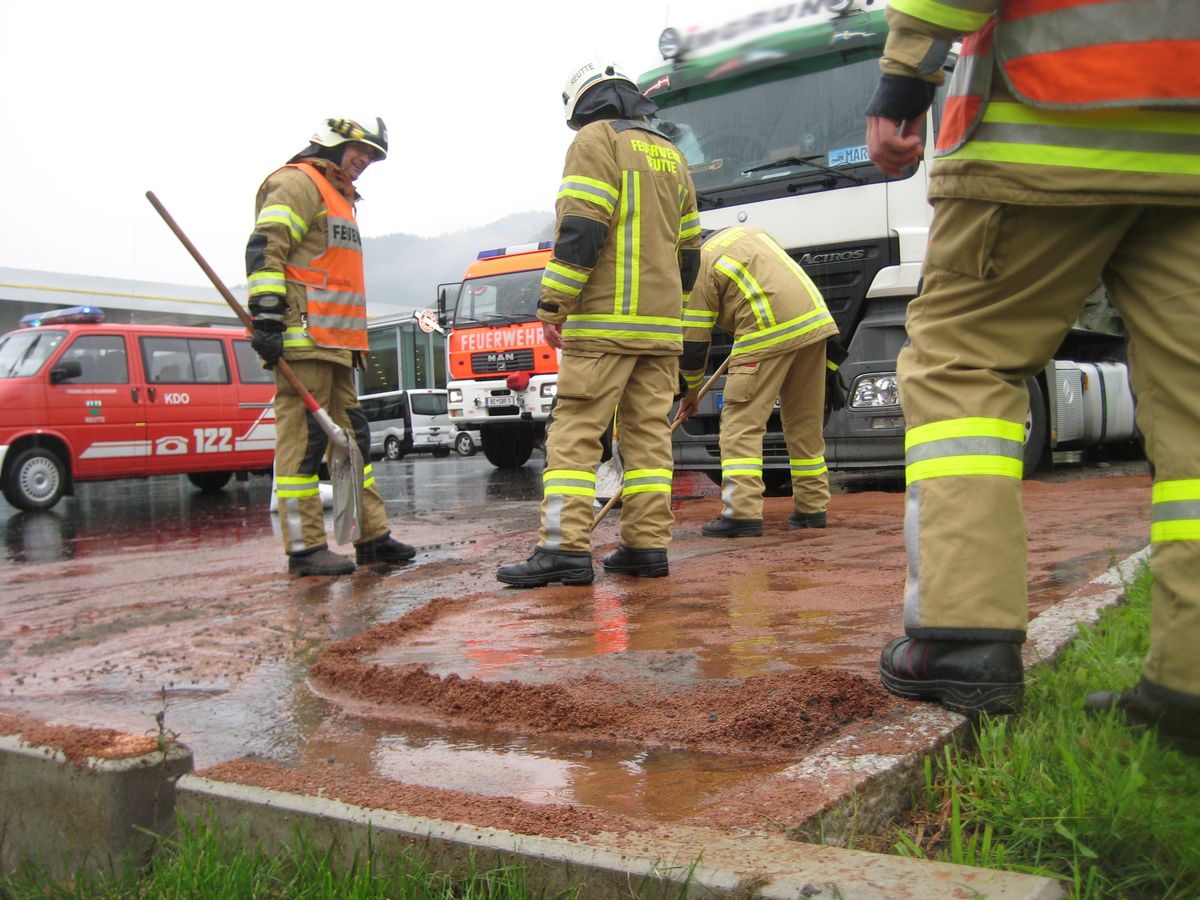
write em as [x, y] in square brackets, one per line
[769, 111]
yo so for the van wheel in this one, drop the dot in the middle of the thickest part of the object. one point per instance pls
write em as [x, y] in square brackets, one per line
[36, 479]
[464, 445]
[209, 482]
[393, 449]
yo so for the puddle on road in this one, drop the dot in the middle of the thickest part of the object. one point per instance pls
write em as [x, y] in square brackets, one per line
[663, 786]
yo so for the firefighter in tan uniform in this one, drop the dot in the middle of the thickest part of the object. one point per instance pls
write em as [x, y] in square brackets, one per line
[1069, 152]
[626, 251]
[307, 304]
[750, 288]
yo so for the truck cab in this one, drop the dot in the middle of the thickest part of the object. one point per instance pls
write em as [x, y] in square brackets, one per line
[503, 375]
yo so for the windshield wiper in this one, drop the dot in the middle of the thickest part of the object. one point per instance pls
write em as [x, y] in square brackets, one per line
[809, 161]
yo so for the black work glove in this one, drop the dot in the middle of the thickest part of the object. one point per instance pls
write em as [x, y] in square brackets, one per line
[266, 337]
[835, 393]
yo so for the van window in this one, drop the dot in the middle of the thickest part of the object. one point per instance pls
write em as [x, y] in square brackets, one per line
[429, 404]
[102, 358]
[23, 352]
[185, 361]
[379, 409]
[249, 365]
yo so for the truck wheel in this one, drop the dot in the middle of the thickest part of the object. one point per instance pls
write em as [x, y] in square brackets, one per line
[777, 482]
[1036, 429]
[209, 482]
[464, 445]
[393, 449]
[509, 447]
[36, 479]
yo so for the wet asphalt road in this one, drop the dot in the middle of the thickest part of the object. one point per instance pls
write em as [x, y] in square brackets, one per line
[111, 514]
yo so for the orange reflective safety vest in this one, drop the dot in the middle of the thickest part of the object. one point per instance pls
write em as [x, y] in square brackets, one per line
[1068, 55]
[336, 308]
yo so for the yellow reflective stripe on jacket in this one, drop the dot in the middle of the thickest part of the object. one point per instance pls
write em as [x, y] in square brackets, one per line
[963, 16]
[807, 467]
[283, 215]
[970, 446]
[689, 226]
[295, 337]
[643, 481]
[1119, 140]
[569, 481]
[557, 277]
[591, 190]
[1175, 511]
[693, 380]
[750, 466]
[266, 281]
[814, 292]
[368, 476]
[784, 331]
[699, 318]
[296, 486]
[750, 288]
[629, 242]
[652, 328]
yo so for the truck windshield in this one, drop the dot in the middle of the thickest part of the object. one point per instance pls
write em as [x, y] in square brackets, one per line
[23, 352]
[511, 297]
[775, 130]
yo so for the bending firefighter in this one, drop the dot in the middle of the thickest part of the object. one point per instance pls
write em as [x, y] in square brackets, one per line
[1069, 152]
[626, 250]
[749, 287]
[308, 305]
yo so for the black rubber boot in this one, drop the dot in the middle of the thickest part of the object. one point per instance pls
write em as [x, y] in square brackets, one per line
[807, 520]
[384, 549]
[723, 526]
[548, 566]
[642, 562]
[319, 561]
[1175, 715]
[967, 676]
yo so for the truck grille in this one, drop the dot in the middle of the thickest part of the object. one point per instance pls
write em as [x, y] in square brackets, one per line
[502, 361]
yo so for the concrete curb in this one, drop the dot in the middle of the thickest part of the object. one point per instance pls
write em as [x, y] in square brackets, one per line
[862, 791]
[95, 816]
[670, 862]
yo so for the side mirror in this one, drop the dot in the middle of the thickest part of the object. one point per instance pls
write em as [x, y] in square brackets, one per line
[65, 370]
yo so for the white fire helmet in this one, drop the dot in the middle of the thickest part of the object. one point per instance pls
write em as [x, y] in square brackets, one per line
[586, 77]
[370, 131]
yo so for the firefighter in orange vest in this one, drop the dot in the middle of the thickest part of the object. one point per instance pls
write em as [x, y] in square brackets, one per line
[308, 305]
[626, 252]
[750, 288]
[1069, 152]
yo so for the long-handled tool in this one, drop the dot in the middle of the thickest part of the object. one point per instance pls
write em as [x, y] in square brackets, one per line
[679, 420]
[345, 458]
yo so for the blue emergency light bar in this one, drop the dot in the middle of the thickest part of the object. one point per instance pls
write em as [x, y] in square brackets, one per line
[72, 315]
[518, 248]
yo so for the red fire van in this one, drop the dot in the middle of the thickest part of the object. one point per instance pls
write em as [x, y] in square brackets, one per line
[85, 401]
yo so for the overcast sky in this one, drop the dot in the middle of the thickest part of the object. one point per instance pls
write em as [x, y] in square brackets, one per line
[198, 102]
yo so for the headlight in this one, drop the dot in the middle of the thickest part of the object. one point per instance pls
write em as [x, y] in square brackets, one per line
[455, 396]
[874, 391]
[549, 390]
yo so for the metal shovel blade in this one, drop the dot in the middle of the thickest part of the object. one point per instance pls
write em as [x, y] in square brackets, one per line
[346, 474]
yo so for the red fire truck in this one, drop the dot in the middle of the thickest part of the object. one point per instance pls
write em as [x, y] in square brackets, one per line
[503, 375]
[85, 401]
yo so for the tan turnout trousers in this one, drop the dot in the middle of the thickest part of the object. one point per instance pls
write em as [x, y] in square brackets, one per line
[797, 379]
[1003, 284]
[591, 385]
[301, 446]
